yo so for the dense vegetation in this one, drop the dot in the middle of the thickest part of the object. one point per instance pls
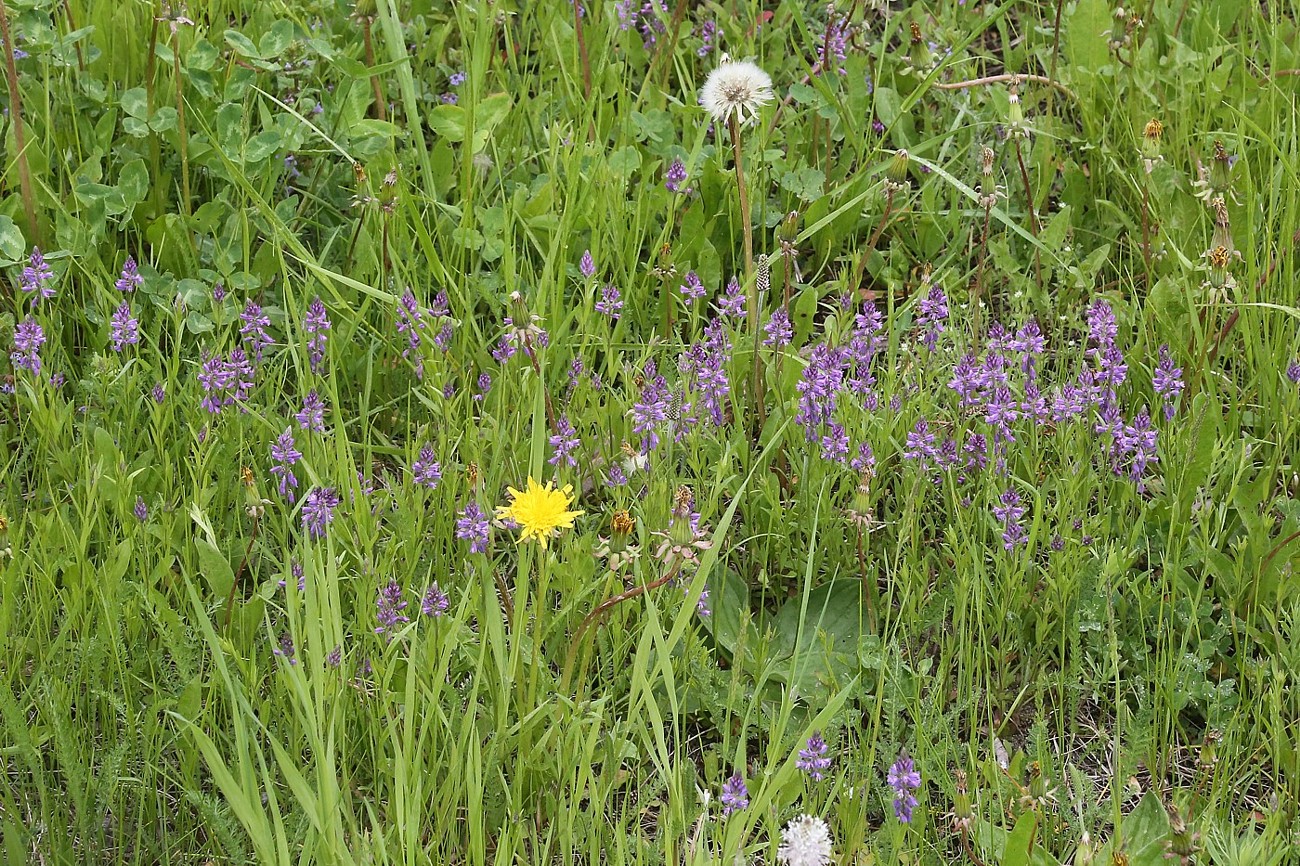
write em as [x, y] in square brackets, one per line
[665, 432]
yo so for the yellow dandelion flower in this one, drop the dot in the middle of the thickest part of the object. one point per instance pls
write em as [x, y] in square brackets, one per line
[540, 512]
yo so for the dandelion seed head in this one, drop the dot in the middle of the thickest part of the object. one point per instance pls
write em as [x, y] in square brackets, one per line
[740, 88]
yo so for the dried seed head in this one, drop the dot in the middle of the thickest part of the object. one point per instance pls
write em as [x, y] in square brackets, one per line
[1153, 130]
[1219, 257]
[683, 500]
[471, 473]
[763, 275]
[622, 522]
[986, 162]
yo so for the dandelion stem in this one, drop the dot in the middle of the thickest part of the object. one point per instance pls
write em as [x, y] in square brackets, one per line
[1033, 217]
[16, 114]
[999, 79]
[599, 611]
[582, 49]
[243, 563]
[380, 110]
[744, 217]
[181, 131]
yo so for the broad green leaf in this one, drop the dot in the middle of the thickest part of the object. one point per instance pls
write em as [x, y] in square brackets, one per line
[1085, 40]
[242, 44]
[12, 245]
[215, 568]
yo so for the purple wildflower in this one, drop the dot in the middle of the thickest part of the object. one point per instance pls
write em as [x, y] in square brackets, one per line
[295, 568]
[933, 311]
[318, 510]
[217, 381]
[565, 443]
[651, 409]
[904, 779]
[285, 649]
[28, 339]
[1136, 444]
[735, 796]
[920, 444]
[426, 470]
[708, 31]
[125, 328]
[865, 461]
[832, 44]
[316, 323]
[253, 329]
[218, 293]
[1009, 513]
[130, 280]
[675, 177]
[159, 393]
[411, 322]
[693, 288]
[1293, 371]
[813, 759]
[388, 608]
[334, 657]
[1102, 327]
[312, 416]
[819, 387]
[587, 267]
[779, 330]
[457, 79]
[141, 510]
[732, 303]
[484, 386]
[611, 302]
[835, 444]
[704, 365]
[37, 276]
[473, 526]
[285, 455]
[435, 601]
[1168, 381]
[645, 16]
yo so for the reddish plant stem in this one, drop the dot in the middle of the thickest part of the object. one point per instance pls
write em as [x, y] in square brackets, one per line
[243, 563]
[20, 135]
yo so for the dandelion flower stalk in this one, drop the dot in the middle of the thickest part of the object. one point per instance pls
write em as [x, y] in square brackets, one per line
[16, 113]
[730, 91]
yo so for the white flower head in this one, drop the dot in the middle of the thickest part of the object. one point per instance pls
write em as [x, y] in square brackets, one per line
[805, 841]
[735, 88]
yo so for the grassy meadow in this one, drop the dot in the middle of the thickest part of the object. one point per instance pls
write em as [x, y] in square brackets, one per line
[650, 432]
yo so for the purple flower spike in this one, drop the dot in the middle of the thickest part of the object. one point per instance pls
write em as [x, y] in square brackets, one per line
[610, 303]
[435, 601]
[426, 470]
[28, 339]
[735, 795]
[904, 779]
[130, 280]
[813, 759]
[285, 455]
[473, 526]
[125, 328]
[318, 511]
[316, 323]
[388, 609]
